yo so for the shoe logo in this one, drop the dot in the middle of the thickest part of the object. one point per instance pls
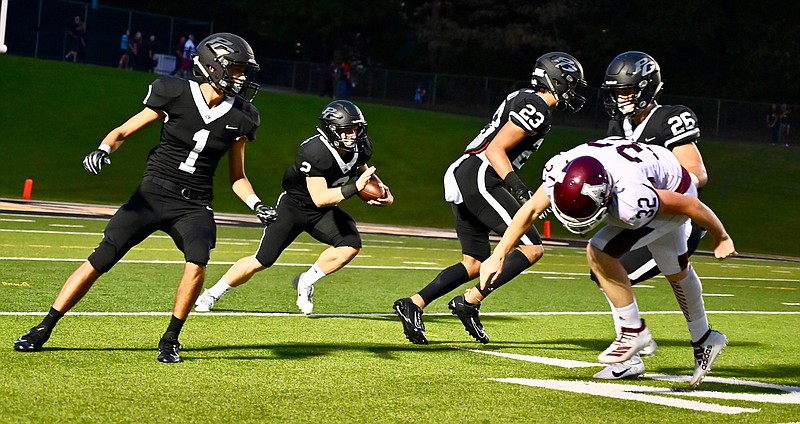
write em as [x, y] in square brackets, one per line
[621, 373]
[208, 208]
[231, 127]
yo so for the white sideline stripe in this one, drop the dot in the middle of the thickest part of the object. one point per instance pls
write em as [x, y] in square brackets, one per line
[627, 392]
[423, 268]
[380, 314]
[563, 363]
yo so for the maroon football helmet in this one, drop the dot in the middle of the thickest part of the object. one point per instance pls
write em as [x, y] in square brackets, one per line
[581, 194]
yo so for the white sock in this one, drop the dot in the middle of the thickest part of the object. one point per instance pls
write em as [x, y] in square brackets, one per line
[218, 290]
[628, 316]
[616, 316]
[689, 294]
[311, 276]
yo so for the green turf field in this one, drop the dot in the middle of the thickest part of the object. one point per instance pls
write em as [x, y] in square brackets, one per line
[256, 359]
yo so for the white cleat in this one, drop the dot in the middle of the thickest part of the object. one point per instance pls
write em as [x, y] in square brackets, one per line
[205, 302]
[649, 350]
[305, 296]
[629, 343]
[632, 368]
[706, 351]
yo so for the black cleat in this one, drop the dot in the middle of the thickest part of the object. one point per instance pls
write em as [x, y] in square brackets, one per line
[468, 314]
[168, 351]
[33, 340]
[411, 316]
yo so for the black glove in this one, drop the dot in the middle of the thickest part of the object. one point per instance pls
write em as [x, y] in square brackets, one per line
[93, 162]
[266, 214]
[518, 189]
[522, 195]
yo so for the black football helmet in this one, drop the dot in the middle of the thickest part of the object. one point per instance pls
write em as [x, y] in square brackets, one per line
[581, 194]
[216, 54]
[341, 115]
[560, 74]
[633, 70]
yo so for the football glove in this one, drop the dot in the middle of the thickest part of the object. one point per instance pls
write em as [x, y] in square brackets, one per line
[266, 214]
[93, 162]
[518, 189]
[522, 195]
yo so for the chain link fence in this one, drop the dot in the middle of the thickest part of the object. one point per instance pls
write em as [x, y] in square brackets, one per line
[39, 29]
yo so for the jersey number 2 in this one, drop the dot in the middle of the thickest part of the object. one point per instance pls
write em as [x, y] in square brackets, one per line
[200, 138]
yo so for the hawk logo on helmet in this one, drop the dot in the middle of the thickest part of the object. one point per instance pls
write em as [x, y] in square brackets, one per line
[565, 63]
[331, 113]
[220, 46]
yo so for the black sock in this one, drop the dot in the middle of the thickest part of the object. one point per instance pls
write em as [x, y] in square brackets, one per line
[174, 328]
[447, 280]
[515, 263]
[51, 319]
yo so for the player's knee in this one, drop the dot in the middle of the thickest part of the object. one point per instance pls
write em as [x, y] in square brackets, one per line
[348, 252]
[472, 265]
[532, 252]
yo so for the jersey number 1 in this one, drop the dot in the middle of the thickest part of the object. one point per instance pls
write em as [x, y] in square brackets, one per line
[200, 138]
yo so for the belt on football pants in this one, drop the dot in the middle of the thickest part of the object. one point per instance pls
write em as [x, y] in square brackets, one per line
[184, 192]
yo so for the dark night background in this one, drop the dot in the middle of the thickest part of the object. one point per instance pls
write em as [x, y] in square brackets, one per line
[742, 50]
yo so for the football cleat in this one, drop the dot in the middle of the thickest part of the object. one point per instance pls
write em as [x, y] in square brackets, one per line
[706, 351]
[168, 351]
[649, 350]
[411, 316]
[305, 296]
[632, 368]
[469, 316]
[629, 343]
[205, 302]
[33, 340]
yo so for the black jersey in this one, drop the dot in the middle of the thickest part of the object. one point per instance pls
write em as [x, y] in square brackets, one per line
[525, 109]
[666, 126]
[317, 158]
[194, 138]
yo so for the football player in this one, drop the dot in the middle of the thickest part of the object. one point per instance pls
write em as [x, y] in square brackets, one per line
[631, 88]
[201, 123]
[644, 196]
[313, 188]
[485, 192]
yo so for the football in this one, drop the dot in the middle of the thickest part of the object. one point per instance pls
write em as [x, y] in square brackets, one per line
[373, 190]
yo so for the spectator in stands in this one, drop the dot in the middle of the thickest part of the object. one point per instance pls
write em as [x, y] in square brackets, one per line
[123, 48]
[178, 55]
[783, 122]
[773, 124]
[327, 80]
[189, 51]
[148, 54]
[75, 39]
[134, 51]
[344, 80]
